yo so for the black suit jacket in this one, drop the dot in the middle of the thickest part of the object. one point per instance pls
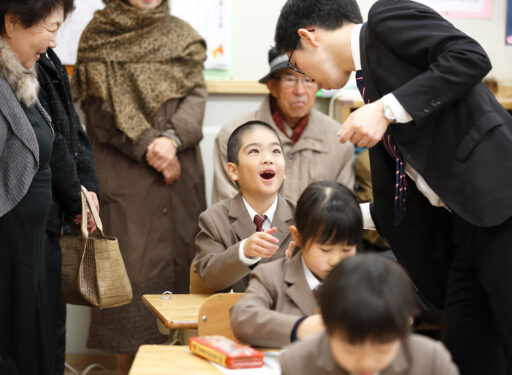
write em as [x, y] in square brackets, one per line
[460, 139]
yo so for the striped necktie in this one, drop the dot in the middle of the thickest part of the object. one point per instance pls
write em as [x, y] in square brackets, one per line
[258, 221]
[389, 145]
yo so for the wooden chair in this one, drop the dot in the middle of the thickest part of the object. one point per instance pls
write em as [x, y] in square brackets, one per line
[196, 285]
[213, 316]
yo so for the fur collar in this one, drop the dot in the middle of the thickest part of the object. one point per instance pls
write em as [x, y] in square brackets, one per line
[22, 81]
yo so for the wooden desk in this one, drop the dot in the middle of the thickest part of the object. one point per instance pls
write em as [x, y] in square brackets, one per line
[170, 360]
[180, 311]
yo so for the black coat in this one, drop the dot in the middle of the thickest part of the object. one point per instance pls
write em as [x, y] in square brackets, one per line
[460, 139]
[72, 160]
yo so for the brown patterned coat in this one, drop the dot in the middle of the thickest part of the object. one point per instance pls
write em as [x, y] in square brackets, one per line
[155, 223]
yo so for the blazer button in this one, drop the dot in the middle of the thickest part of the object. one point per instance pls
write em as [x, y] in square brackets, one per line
[164, 211]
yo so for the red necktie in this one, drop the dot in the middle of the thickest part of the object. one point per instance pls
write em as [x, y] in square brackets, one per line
[259, 220]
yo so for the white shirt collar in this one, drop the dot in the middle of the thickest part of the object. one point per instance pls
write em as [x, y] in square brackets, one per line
[311, 279]
[354, 45]
[270, 213]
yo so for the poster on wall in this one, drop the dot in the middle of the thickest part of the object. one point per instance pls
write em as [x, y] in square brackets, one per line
[508, 35]
[461, 8]
[211, 19]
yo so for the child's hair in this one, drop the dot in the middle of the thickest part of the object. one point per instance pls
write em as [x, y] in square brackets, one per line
[367, 297]
[235, 139]
[328, 213]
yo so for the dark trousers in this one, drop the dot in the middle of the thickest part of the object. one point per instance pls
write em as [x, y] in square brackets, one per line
[57, 309]
[478, 329]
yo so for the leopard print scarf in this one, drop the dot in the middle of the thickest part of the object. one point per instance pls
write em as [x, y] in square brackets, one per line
[137, 60]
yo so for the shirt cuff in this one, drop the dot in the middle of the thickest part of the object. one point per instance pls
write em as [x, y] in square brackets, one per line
[367, 216]
[247, 261]
[396, 108]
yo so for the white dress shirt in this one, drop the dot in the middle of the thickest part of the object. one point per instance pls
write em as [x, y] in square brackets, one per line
[311, 279]
[270, 213]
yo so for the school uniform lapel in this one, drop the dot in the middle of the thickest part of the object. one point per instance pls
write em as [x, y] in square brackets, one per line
[298, 288]
[241, 224]
[283, 218]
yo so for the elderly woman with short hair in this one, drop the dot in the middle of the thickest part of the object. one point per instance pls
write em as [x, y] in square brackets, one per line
[27, 29]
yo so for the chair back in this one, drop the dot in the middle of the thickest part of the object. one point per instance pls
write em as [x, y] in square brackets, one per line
[213, 316]
[196, 285]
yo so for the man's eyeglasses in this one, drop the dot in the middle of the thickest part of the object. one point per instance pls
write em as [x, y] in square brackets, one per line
[290, 64]
[289, 81]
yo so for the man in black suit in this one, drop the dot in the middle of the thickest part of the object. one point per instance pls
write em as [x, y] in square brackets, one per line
[440, 151]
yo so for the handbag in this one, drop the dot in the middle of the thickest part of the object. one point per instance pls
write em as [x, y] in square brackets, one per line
[93, 272]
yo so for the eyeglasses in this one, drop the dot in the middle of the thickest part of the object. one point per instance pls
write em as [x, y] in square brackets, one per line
[290, 81]
[291, 65]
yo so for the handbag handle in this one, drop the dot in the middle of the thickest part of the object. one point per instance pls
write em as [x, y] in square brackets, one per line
[86, 201]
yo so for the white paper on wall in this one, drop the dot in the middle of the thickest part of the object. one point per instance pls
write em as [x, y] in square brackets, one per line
[211, 19]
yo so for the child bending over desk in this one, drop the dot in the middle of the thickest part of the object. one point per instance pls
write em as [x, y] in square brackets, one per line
[279, 306]
[367, 303]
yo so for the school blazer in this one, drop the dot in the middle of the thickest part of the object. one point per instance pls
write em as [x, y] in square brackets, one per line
[418, 355]
[221, 229]
[277, 296]
[460, 139]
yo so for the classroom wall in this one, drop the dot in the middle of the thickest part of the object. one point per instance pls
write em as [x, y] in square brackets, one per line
[253, 34]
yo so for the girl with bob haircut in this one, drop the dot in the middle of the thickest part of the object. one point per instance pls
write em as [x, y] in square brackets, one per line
[279, 302]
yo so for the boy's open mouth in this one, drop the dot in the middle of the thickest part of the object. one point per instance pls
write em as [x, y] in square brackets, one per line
[267, 175]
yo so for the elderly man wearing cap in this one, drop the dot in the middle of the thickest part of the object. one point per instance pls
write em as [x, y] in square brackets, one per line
[311, 149]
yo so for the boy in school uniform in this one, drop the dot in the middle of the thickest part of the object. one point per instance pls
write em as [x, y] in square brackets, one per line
[251, 228]
[366, 303]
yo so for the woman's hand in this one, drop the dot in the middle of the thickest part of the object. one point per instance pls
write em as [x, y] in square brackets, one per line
[91, 225]
[161, 155]
[173, 172]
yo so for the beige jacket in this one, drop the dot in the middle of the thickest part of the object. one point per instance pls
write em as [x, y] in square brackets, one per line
[316, 156]
[419, 355]
[222, 227]
[277, 296]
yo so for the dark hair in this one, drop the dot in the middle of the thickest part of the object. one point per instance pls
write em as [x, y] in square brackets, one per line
[235, 139]
[327, 212]
[30, 12]
[367, 297]
[327, 14]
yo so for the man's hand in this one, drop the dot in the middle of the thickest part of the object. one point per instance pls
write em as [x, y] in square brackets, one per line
[91, 225]
[161, 155]
[261, 244]
[310, 326]
[366, 126]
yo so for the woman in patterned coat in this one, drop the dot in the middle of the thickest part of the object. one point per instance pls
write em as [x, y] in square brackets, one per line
[139, 77]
